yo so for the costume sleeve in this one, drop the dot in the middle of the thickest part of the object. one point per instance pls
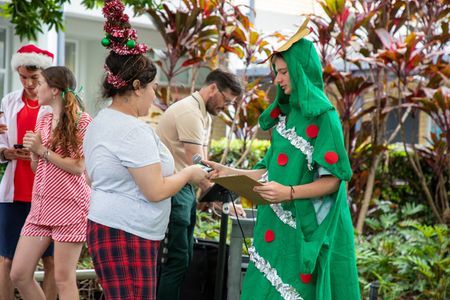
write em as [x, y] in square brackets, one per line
[329, 149]
[329, 154]
[322, 237]
[264, 162]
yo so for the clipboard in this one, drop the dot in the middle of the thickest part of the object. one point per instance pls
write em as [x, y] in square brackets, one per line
[241, 185]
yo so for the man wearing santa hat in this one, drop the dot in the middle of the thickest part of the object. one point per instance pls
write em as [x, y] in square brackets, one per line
[20, 112]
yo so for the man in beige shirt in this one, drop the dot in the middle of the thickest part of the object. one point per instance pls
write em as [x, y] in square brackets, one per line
[185, 129]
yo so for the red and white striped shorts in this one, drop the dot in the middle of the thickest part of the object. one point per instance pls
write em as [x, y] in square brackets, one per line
[73, 233]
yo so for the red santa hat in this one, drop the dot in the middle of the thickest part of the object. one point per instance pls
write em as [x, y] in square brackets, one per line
[30, 55]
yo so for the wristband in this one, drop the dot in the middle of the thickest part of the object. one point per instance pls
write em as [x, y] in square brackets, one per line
[46, 154]
[292, 193]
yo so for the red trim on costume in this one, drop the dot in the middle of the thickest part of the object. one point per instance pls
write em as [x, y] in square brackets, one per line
[282, 159]
[331, 157]
[312, 131]
[269, 236]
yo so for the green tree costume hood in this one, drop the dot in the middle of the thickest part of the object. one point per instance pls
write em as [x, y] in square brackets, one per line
[296, 253]
[305, 72]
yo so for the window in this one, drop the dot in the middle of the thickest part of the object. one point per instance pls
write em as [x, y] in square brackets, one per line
[411, 125]
[3, 66]
[71, 56]
[434, 128]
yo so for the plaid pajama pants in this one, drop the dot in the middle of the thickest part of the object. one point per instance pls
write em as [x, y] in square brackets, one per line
[125, 263]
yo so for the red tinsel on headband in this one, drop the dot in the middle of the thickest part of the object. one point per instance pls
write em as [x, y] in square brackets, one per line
[114, 80]
[121, 38]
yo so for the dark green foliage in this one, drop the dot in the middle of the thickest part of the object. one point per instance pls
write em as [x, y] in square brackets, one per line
[207, 226]
[397, 181]
[29, 16]
[409, 259]
[2, 169]
[256, 153]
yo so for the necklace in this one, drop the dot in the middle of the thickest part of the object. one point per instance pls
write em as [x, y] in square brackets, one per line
[29, 106]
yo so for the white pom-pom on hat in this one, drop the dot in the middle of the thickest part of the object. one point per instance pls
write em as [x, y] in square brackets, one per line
[31, 55]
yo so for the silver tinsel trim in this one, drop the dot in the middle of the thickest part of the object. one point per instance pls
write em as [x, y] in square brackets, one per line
[284, 215]
[296, 141]
[287, 292]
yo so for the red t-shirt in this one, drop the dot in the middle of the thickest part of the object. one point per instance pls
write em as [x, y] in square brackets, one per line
[24, 176]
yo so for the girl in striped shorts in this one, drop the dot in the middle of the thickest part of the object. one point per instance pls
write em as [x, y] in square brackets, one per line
[60, 198]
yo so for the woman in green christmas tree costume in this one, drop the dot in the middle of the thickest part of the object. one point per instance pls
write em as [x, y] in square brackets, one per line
[303, 243]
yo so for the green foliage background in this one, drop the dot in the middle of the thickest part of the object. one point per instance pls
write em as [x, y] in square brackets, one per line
[408, 257]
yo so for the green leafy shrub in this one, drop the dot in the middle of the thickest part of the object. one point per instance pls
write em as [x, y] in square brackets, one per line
[2, 170]
[397, 180]
[207, 226]
[410, 260]
[256, 153]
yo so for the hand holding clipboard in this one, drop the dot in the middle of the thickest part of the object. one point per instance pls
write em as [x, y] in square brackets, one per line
[241, 185]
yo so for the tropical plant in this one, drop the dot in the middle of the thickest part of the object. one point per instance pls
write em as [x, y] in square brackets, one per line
[207, 226]
[257, 149]
[29, 16]
[184, 29]
[436, 154]
[251, 47]
[409, 259]
[377, 56]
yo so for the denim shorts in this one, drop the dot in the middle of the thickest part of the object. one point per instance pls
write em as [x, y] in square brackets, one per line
[12, 219]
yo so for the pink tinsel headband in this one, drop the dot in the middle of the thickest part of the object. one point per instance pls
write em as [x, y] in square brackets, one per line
[114, 80]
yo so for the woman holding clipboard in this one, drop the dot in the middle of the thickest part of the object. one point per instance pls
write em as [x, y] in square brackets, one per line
[303, 241]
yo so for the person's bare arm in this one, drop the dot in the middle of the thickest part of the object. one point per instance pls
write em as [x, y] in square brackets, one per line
[275, 192]
[155, 187]
[12, 154]
[222, 170]
[190, 150]
[32, 142]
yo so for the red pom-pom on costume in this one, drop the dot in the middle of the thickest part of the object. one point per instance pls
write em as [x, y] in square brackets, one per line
[331, 157]
[312, 131]
[275, 112]
[282, 159]
[269, 236]
[305, 278]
